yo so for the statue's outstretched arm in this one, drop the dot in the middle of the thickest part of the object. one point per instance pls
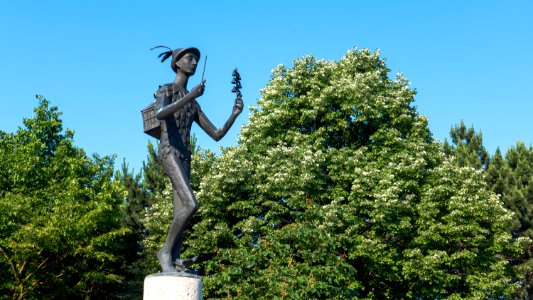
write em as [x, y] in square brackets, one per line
[211, 130]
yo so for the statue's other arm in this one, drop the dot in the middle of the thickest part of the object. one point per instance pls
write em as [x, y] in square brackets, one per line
[164, 111]
[211, 130]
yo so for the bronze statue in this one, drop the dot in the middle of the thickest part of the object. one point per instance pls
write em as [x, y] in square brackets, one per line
[169, 118]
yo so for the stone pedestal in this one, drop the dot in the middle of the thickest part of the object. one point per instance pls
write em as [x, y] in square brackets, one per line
[163, 286]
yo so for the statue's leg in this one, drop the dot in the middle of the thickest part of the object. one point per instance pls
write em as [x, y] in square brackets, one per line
[177, 206]
[185, 206]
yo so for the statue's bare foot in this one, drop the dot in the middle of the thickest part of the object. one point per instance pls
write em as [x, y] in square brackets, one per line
[182, 265]
[165, 260]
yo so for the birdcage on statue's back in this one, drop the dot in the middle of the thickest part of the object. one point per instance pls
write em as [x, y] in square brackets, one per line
[152, 126]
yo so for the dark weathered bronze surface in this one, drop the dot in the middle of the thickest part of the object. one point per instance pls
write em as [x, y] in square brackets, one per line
[169, 118]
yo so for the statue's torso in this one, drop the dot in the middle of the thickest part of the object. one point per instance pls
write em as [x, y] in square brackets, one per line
[176, 129]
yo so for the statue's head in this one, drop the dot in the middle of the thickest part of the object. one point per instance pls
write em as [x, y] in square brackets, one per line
[190, 57]
[185, 59]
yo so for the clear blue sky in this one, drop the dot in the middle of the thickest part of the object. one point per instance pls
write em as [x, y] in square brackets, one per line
[468, 60]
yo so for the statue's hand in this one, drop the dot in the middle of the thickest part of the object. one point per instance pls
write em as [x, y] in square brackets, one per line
[198, 90]
[237, 108]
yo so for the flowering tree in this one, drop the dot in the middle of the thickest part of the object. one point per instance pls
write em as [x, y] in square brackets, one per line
[337, 190]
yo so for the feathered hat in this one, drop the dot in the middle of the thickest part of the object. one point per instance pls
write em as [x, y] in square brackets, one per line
[176, 54]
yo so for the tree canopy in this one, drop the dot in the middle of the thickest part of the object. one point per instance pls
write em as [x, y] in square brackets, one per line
[60, 222]
[510, 176]
[337, 190]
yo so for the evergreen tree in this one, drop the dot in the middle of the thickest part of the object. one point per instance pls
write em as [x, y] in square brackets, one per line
[512, 179]
[337, 190]
[154, 178]
[497, 173]
[142, 189]
[519, 194]
[137, 199]
[467, 147]
[61, 234]
[137, 196]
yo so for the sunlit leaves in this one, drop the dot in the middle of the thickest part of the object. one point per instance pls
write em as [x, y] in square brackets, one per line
[336, 190]
[60, 227]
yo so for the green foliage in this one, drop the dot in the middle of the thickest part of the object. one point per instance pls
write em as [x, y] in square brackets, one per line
[467, 147]
[60, 223]
[137, 199]
[337, 190]
[154, 177]
[137, 196]
[512, 178]
[517, 192]
[143, 190]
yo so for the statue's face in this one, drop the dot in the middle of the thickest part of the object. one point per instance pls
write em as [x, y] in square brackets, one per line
[188, 63]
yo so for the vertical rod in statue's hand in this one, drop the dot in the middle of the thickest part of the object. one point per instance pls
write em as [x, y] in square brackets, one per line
[203, 72]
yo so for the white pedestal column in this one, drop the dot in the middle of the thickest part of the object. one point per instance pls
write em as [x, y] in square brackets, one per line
[163, 286]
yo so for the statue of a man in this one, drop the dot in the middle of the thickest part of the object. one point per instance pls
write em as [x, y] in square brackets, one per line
[176, 108]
